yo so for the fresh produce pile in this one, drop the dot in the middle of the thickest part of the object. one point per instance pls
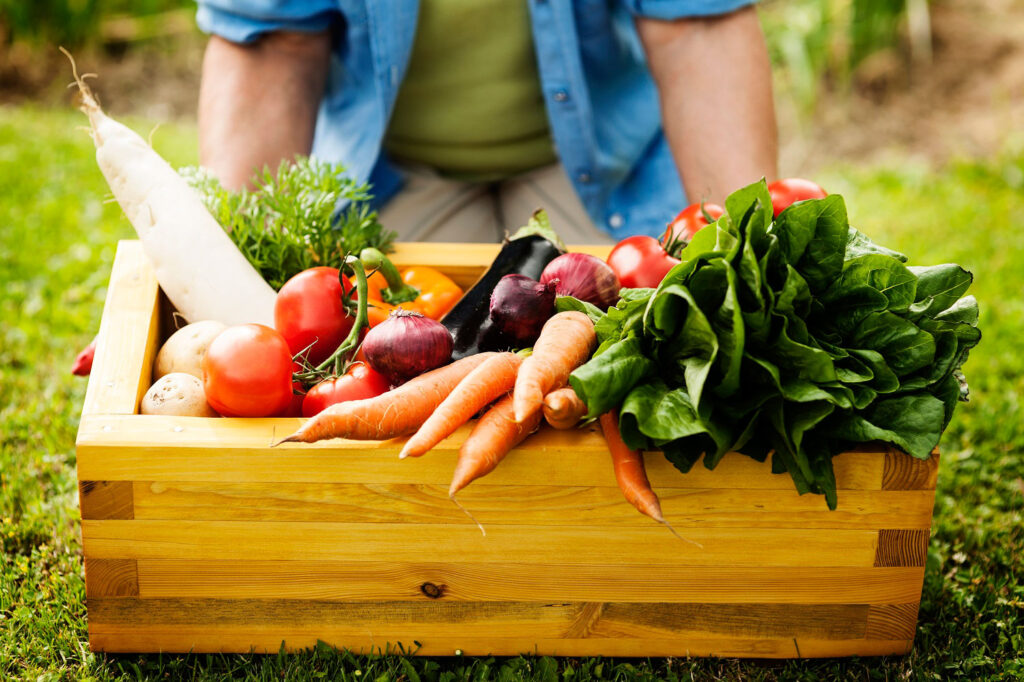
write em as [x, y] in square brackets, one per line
[769, 326]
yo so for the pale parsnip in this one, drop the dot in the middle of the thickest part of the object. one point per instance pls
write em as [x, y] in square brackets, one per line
[197, 265]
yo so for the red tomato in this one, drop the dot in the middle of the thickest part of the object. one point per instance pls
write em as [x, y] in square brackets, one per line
[357, 383]
[309, 310]
[791, 190]
[247, 372]
[690, 220]
[294, 408]
[640, 261]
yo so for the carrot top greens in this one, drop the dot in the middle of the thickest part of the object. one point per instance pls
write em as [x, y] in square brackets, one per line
[308, 213]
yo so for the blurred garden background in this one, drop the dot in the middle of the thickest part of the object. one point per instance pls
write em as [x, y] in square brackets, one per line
[913, 110]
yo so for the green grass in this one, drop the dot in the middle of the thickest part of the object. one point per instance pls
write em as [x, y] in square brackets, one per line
[57, 239]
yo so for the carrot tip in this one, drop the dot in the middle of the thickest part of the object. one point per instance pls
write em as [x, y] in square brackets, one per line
[669, 526]
[294, 438]
[466, 512]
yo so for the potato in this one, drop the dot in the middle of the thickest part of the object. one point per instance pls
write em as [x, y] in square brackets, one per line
[184, 351]
[179, 395]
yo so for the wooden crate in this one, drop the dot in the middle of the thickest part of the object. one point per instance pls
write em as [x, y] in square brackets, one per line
[198, 536]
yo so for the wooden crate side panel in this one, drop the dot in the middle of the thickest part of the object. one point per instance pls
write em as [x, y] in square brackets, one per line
[522, 504]
[129, 333]
[359, 581]
[625, 545]
[135, 639]
[150, 448]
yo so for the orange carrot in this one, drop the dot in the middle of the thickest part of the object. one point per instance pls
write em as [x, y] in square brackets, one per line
[629, 470]
[563, 409]
[399, 411]
[491, 439]
[565, 343]
[489, 381]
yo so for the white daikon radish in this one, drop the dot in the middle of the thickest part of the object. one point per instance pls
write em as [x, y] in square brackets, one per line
[197, 265]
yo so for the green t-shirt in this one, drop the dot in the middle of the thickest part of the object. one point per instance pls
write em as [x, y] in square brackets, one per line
[471, 104]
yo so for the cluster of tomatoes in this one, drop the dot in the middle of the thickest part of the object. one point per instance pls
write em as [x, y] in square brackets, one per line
[248, 368]
[642, 261]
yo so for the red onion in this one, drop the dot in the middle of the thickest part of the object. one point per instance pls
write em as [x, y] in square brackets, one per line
[406, 345]
[585, 277]
[520, 306]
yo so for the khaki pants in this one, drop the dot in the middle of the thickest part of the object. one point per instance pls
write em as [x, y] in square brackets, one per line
[436, 209]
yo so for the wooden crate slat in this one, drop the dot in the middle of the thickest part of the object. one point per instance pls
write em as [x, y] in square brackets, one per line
[902, 547]
[128, 336]
[130, 639]
[570, 620]
[106, 499]
[151, 448]
[356, 580]
[111, 578]
[521, 504]
[628, 545]
[901, 472]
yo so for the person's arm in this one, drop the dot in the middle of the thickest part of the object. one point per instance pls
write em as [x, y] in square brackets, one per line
[715, 84]
[258, 102]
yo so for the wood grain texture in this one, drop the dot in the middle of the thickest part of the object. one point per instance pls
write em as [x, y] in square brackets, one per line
[902, 547]
[106, 499]
[122, 448]
[627, 545]
[892, 621]
[522, 504]
[128, 335]
[111, 578]
[359, 581]
[137, 639]
[568, 620]
[902, 472]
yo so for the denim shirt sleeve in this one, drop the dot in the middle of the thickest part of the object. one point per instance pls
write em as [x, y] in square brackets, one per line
[677, 9]
[242, 21]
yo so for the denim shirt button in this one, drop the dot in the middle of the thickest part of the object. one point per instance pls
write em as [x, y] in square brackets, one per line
[615, 220]
[561, 96]
[584, 177]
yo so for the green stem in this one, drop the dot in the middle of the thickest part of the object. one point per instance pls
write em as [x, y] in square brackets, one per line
[351, 341]
[397, 291]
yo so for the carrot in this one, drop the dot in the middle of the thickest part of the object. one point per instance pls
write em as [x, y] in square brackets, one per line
[629, 470]
[490, 380]
[631, 474]
[494, 435]
[399, 411]
[565, 343]
[563, 409]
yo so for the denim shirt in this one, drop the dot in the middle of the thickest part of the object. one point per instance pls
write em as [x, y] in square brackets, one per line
[600, 98]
